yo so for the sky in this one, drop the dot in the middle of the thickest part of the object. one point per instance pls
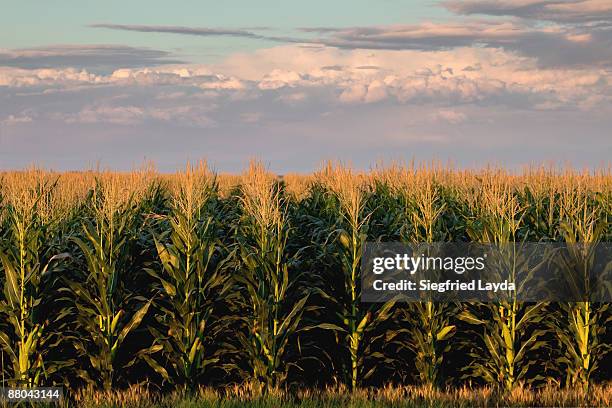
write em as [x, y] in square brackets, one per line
[293, 84]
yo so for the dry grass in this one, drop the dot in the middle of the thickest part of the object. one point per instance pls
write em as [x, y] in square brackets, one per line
[395, 396]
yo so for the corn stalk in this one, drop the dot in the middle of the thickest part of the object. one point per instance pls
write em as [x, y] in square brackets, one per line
[194, 283]
[508, 331]
[355, 320]
[581, 328]
[29, 273]
[105, 311]
[427, 323]
[268, 280]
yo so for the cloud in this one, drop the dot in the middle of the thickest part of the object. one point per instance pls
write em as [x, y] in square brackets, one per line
[58, 78]
[279, 78]
[119, 115]
[191, 116]
[293, 98]
[534, 73]
[354, 93]
[576, 44]
[419, 103]
[573, 45]
[95, 58]
[424, 36]
[51, 77]
[461, 75]
[292, 74]
[372, 91]
[332, 68]
[287, 87]
[200, 31]
[203, 32]
[562, 11]
[319, 30]
[450, 116]
[182, 75]
[12, 120]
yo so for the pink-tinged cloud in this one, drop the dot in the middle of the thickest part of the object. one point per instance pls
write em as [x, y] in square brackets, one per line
[294, 74]
[449, 116]
[518, 34]
[553, 10]
[461, 102]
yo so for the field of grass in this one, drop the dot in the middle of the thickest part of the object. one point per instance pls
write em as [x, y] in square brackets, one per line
[196, 289]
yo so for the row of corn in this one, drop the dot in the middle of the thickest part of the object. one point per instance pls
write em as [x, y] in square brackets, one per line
[111, 279]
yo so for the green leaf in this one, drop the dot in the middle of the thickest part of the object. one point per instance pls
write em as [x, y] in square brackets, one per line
[133, 323]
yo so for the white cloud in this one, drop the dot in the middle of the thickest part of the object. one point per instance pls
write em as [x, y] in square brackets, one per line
[354, 93]
[292, 81]
[18, 77]
[171, 75]
[117, 115]
[405, 77]
[12, 120]
[464, 75]
[377, 91]
[279, 78]
[449, 116]
[191, 116]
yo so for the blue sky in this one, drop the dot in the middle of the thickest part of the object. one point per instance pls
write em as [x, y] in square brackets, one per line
[296, 83]
[67, 22]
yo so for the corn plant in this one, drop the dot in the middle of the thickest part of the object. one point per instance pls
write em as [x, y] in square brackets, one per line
[30, 270]
[105, 311]
[195, 283]
[426, 323]
[272, 302]
[347, 201]
[581, 327]
[507, 325]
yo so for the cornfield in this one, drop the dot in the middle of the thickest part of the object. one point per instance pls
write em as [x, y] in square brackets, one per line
[144, 289]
